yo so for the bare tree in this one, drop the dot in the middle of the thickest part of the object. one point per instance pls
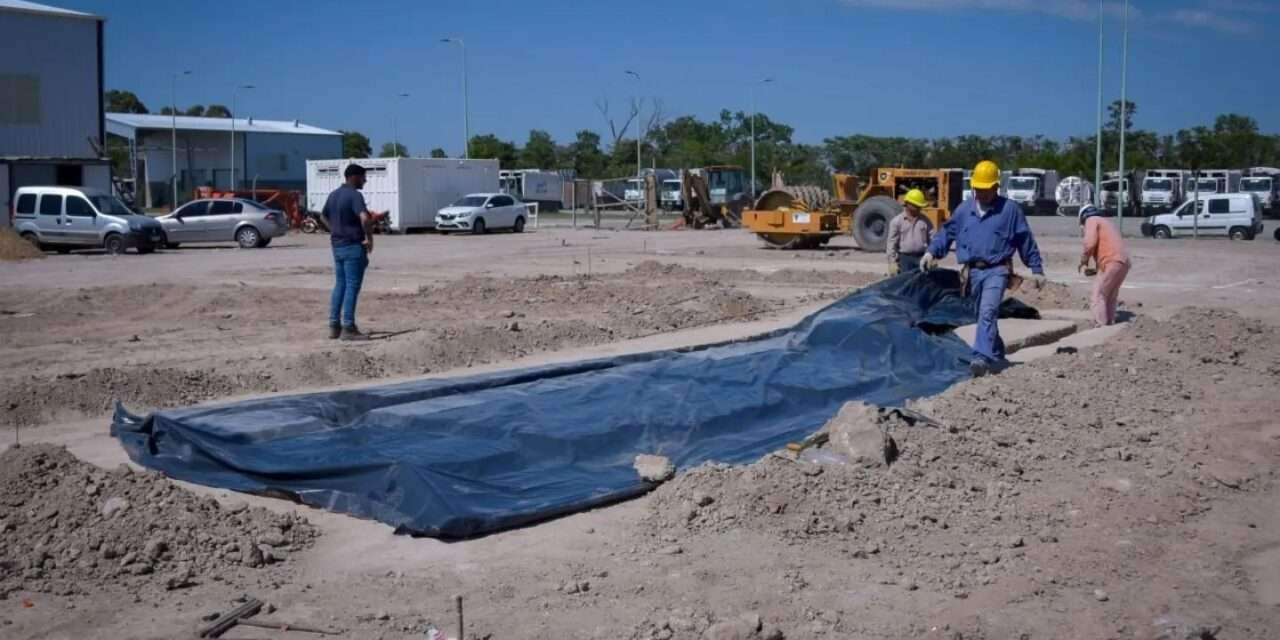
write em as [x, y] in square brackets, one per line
[616, 131]
[657, 116]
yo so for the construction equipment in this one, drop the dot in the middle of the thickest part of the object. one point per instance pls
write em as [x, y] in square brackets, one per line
[715, 194]
[808, 217]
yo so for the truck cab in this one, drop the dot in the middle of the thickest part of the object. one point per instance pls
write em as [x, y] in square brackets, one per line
[1263, 182]
[1023, 190]
[1160, 194]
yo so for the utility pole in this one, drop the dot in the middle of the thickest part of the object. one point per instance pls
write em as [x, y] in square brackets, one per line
[233, 131]
[395, 124]
[466, 100]
[639, 170]
[753, 134]
[173, 95]
[1124, 112]
[1097, 160]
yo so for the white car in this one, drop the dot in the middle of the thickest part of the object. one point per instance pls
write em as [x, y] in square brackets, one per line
[480, 212]
[1236, 215]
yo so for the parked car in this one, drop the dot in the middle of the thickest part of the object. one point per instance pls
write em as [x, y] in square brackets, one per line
[1237, 215]
[245, 222]
[480, 212]
[67, 218]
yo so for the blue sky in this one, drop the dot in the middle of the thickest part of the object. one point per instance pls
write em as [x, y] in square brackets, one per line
[887, 67]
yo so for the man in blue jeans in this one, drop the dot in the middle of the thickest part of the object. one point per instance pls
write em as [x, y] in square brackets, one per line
[349, 233]
[987, 230]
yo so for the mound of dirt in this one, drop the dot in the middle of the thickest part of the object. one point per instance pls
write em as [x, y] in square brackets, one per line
[70, 528]
[1054, 295]
[31, 400]
[13, 247]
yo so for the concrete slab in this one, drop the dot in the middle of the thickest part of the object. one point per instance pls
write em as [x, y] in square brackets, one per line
[1021, 334]
[1090, 338]
[1078, 315]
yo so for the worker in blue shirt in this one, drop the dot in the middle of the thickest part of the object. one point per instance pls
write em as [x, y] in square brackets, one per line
[987, 230]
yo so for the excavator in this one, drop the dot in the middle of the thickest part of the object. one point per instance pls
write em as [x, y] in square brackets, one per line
[808, 217]
[714, 195]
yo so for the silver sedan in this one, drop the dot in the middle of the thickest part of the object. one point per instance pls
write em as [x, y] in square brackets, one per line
[239, 220]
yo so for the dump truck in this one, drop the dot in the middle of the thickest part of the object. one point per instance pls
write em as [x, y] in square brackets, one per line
[1162, 190]
[1033, 190]
[1263, 182]
[808, 217]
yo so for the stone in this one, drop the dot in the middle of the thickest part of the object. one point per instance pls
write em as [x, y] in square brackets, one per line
[858, 433]
[671, 550]
[508, 314]
[654, 468]
[237, 507]
[154, 549]
[744, 627]
[702, 499]
[989, 556]
[1012, 542]
[272, 538]
[382, 615]
[114, 505]
[1100, 595]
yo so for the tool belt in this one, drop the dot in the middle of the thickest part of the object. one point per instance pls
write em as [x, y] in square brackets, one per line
[1012, 284]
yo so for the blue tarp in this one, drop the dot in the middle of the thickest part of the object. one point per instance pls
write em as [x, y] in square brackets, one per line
[460, 457]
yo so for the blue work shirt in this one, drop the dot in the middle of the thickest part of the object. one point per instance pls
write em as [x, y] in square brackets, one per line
[992, 238]
[342, 211]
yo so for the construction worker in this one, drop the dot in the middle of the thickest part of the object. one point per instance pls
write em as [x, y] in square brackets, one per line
[1104, 245]
[909, 234]
[351, 236]
[987, 230]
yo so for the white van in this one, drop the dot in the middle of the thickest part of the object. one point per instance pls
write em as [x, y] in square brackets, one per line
[1237, 215]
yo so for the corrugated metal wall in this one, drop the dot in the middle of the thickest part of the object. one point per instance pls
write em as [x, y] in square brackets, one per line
[57, 59]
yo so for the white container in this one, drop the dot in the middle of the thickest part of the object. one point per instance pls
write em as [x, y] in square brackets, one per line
[532, 185]
[411, 189]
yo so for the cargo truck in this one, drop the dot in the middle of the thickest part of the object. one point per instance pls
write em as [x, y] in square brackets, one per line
[1162, 190]
[534, 185]
[1263, 182]
[1034, 190]
[411, 190]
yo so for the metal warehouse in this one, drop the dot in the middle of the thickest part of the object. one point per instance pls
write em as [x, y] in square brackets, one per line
[51, 125]
[267, 153]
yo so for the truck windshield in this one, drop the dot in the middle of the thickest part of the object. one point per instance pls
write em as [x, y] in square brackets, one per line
[671, 185]
[1161, 184]
[1208, 186]
[1260, 185]
[110, 205]
[1022, 184]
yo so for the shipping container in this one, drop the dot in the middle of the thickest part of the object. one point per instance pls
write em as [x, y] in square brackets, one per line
[412, 190]
[534, 185]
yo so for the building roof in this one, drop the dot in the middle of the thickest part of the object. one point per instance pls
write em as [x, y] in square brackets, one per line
[127, 124]
[44, 9]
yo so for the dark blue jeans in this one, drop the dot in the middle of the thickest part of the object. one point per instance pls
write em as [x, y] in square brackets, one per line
[349, 262]
[988, 285]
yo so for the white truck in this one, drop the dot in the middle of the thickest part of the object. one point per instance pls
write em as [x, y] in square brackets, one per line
[1034, 190]
[1162, 190]
[534, 185]
[1113, 187]
[1263, 182]
[412, 190]
[1224, 181]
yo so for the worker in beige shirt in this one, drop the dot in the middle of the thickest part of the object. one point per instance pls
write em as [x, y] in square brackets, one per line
[909, 235]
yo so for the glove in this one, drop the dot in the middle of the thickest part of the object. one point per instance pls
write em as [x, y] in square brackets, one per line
[1038, 281]
[928, 262]
[1084, 264]
[894, 269]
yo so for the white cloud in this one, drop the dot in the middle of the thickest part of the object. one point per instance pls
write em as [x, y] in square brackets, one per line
[1070, 9]
[1211, 20]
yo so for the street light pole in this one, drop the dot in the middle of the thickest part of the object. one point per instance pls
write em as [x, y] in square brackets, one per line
[639, 134]
[466, 106]
[395, 124]
[753, 134]
[1124, 112]
[233, 131]
[1097, 161]
[173, 95]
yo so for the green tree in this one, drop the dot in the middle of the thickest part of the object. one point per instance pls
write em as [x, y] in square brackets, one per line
[438, 153]
[1113, 115]
[393, 150]
[166, 111]
[585, 154]
[124, 102]
[488, 146]
[355, 145]
[217, 111]
[539, 152]
[195, 110]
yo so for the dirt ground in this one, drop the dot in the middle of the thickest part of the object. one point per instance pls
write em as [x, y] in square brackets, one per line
[1123, 491]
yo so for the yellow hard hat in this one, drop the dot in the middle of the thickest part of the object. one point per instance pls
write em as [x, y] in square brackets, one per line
[916, 197]
[985, 175]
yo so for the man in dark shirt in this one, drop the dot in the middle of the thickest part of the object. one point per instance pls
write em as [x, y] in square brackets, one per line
[349, 233]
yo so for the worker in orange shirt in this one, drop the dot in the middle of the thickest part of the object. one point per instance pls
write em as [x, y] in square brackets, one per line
[1104, 245]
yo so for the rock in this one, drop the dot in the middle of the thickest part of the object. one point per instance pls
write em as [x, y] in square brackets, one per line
[237, 507]
[1047, 535]
[114, 505]
[654, 468]
[180, 578]
[860, 433]
[250, 556]
[513, 326]
[1100, 595]
[702, 499]
[907, 583]
[154, 549]
[743, 627]
[382, 615]
[268, 554]
[989, 556]
[139, 568]
[508, 314]
[1012, 542]
[671, 550]
[272, 538]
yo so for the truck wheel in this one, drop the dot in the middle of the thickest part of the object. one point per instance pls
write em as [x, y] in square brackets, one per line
[871, 222]
[1239, 233]
[518, 227]
[114, 244]
[248, 237]
[1162, 233]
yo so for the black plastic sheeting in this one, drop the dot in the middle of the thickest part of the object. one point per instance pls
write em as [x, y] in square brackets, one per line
[460, 457]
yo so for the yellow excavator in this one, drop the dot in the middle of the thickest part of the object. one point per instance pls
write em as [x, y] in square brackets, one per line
[808, 217]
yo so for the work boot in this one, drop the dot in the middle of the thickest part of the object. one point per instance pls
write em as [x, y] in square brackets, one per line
[352, 334]
[335, 331]
[979, 368]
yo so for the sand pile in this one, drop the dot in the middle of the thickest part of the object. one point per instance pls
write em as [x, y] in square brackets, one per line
[13, 247]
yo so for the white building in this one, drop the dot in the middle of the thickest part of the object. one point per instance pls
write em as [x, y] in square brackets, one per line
[51, 93]
[268, 153]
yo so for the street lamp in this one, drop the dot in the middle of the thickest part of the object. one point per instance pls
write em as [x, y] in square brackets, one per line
[395, 123]
[234, 92]
[173, 95]
[1124, 111]
[639, 170]
[466, 106]
[753, 133]
[1097, 154]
